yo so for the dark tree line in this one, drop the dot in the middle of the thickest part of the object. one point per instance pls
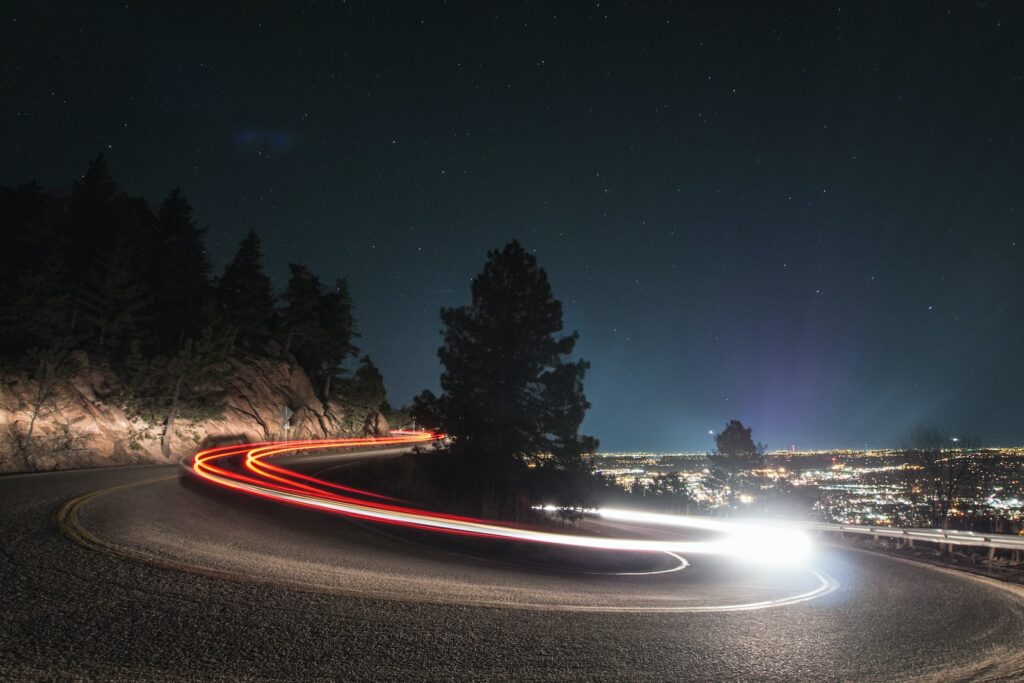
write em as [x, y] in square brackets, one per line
[130, 284]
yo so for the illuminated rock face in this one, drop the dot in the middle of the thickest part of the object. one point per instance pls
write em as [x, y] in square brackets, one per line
[86, 424]
[376, 424]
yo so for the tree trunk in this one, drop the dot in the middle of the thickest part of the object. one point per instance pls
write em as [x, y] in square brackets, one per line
[327, 388]
[38, 405]
[172, 413]
[42, 391]
[287, 344]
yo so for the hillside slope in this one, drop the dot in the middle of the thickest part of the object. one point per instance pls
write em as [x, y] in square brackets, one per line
[86, 424]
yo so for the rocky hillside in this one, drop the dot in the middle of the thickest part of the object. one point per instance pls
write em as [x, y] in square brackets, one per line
[86, 424]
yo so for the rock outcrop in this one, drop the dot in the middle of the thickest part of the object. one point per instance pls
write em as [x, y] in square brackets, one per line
[376, 424]
[85, 424]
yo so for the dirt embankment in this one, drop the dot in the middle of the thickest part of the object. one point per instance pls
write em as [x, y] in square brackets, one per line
[85, 422]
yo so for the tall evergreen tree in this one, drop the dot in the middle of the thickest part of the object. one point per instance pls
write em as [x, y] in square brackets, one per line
[245, 299]
[108, 241]
[319, 327]
[426, 410]
[338, 330]
[37, 308]
[30, 221]
[115, 303]
[94, 192]
[36, 290]
[94, 221]
[178, 273]
[510, 395]
[364, 392]
[302, 334]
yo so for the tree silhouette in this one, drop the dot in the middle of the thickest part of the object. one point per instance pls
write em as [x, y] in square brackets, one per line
[735, 453]
[95, 220]
[319, 326]
[36, 289]
[245, 299]
[337, 329]
[36, 307]
[302, 314]
[364, 392]
[178, 273]
[511, 399]
[426, 410]
[948, 465]
[116, 303]
[49, 369]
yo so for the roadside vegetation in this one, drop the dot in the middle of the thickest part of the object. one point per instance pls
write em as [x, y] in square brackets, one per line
[99, 279]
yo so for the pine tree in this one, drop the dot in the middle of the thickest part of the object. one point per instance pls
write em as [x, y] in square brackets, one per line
[178, 273]
[426, 410]
[115, 305]
[94, 222]
[302, 315]
[319, 326]
[37, 309]
[245, 299]
[36, 288]
[364, 392]
[735, 453]
[337, 331]
[510, 396]
[94, 191]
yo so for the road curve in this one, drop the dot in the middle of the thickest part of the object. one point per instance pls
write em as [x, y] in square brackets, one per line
[148, 575]
[247, 468]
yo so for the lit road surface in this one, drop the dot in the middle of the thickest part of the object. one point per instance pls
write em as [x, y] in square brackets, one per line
[182, 580]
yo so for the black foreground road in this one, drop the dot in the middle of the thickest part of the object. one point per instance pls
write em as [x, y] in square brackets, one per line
[185, 583]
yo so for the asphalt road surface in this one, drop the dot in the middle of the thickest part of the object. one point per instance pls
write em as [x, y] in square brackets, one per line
[138, 573]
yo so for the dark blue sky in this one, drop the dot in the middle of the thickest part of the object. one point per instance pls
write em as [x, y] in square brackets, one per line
[808, 217]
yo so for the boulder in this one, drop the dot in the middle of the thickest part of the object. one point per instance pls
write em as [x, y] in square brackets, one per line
[376, 425]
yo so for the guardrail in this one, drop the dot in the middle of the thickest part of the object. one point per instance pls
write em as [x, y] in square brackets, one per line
[943, 536]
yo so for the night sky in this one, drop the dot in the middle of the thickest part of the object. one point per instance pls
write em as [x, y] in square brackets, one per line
[808, 218]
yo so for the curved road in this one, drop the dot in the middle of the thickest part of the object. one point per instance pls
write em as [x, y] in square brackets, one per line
[150, 575]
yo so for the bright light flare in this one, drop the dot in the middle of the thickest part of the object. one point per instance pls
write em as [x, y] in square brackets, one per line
[749, 541]
[768, 545]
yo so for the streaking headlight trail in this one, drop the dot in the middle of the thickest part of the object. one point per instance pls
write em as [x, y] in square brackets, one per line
[752, 541]
[244, 468]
